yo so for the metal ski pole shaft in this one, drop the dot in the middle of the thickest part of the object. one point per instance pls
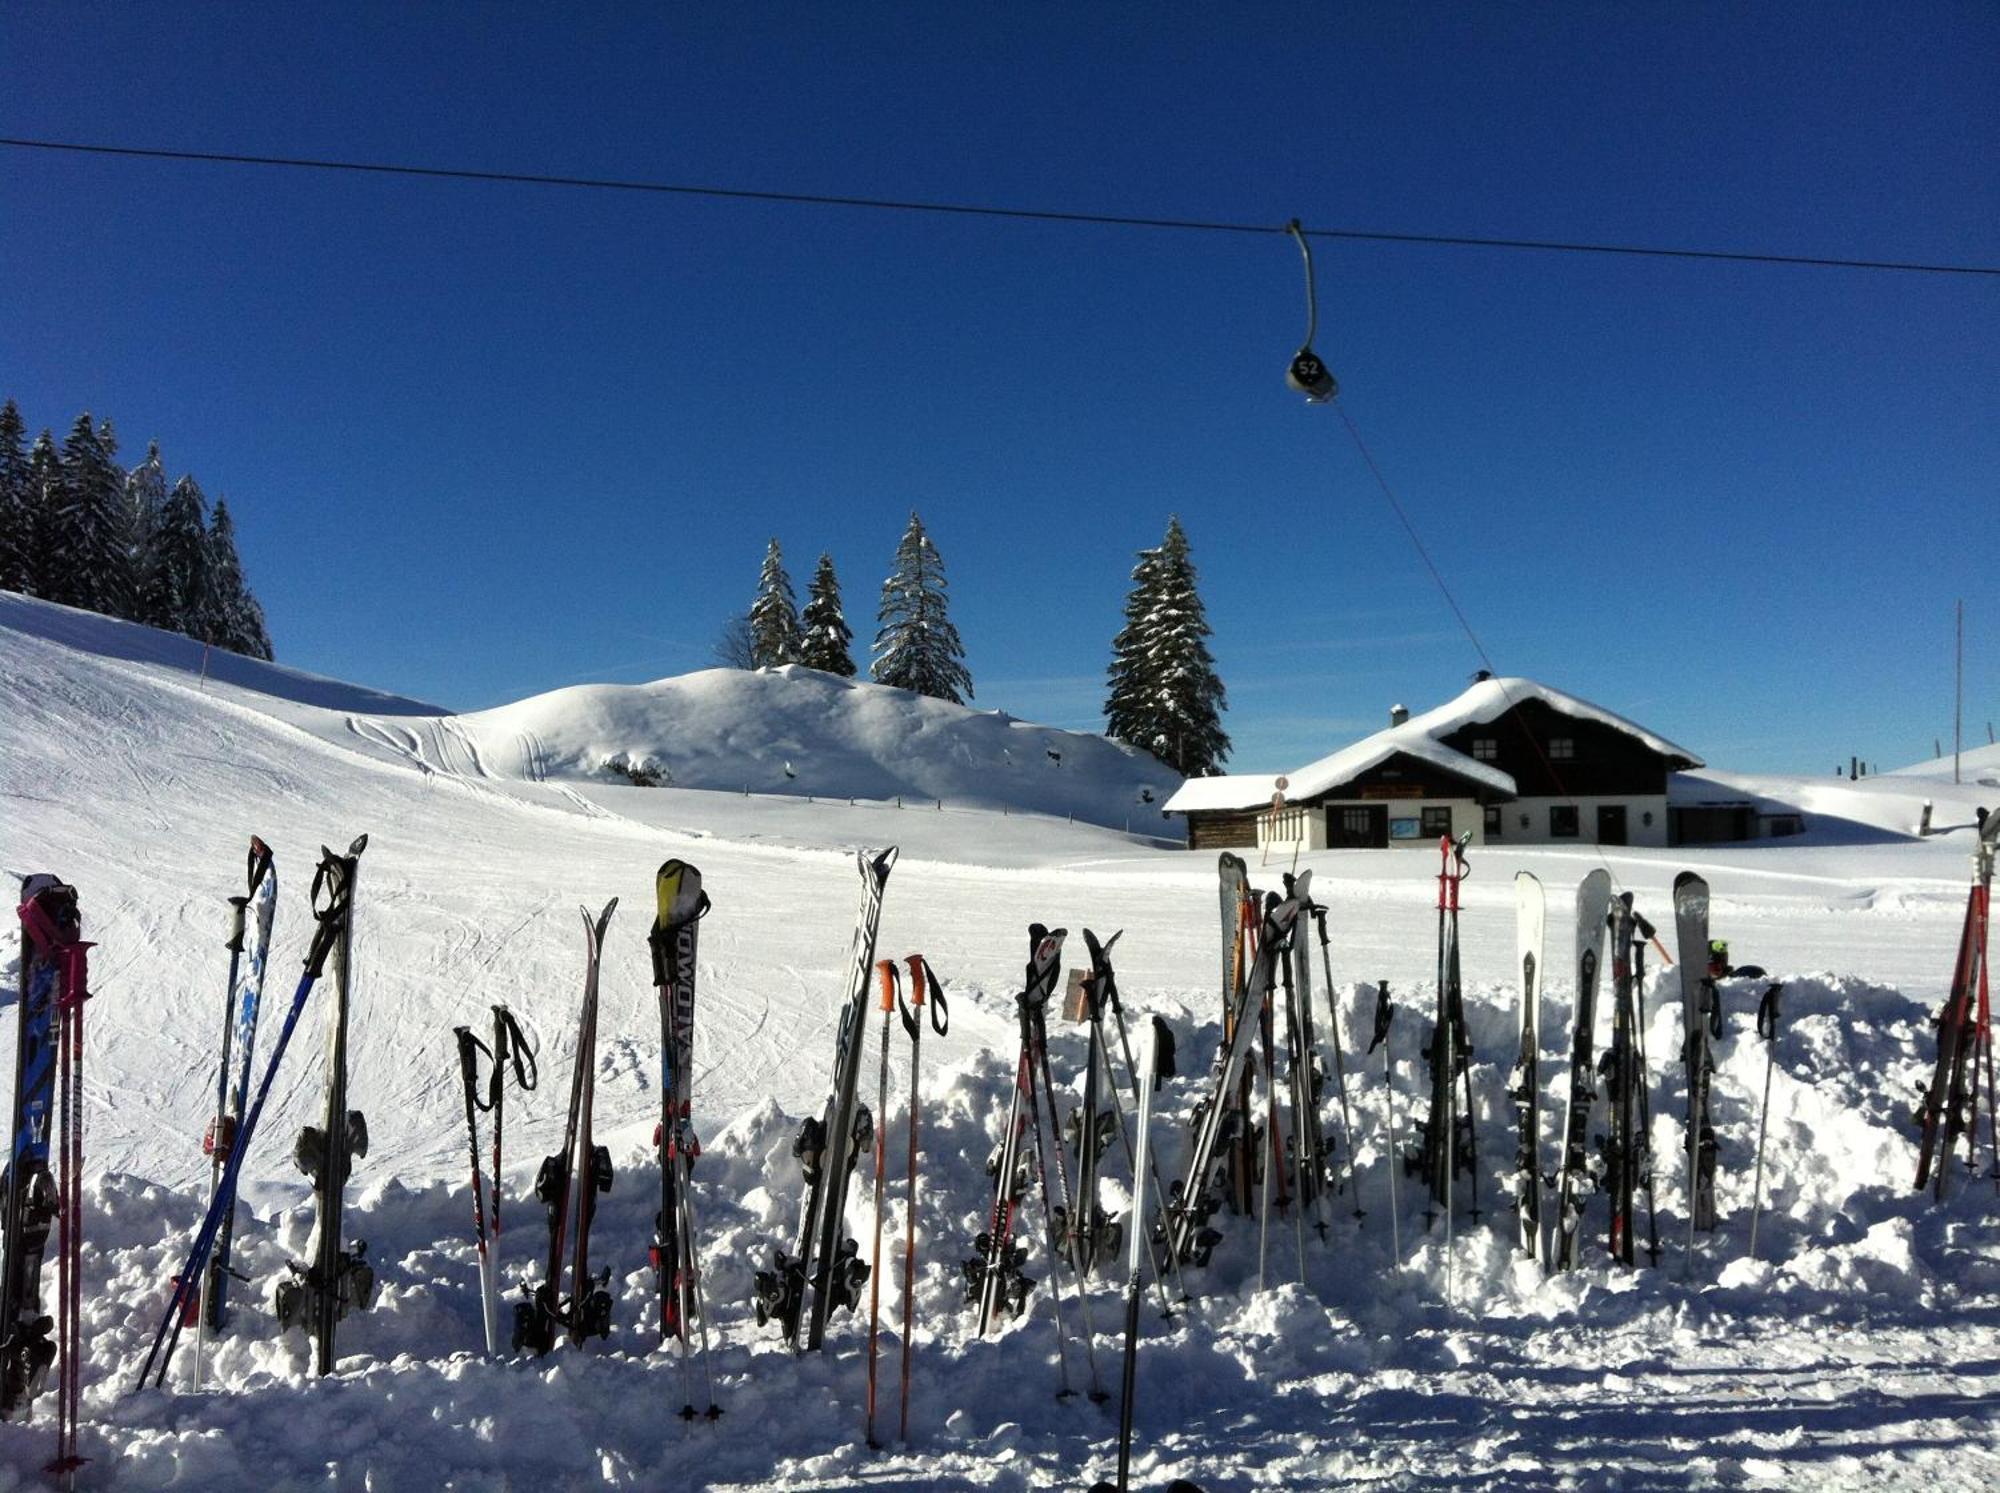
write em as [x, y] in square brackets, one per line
[1767, 1028]
[922, 982]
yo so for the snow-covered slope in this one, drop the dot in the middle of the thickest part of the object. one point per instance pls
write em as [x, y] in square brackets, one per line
[1863, 1350]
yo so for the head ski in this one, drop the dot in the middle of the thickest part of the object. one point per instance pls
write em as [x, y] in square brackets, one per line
[1579, 1178]
[1524, 1085]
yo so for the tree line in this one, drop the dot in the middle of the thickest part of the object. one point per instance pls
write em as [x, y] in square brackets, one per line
[1165, 696]
[77, 528]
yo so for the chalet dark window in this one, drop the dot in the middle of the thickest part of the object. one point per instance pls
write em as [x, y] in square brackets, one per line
[1492, 821]
[1437, 821]
[1485, 749]
[1355, 822]
[1562, 821]
[1562, 748]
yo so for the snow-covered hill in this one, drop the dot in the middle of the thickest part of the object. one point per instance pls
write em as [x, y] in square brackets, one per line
[1863, 1349]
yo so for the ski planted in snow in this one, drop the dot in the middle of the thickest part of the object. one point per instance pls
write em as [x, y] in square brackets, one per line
[337, 1279]
[1086, 1234]
[26, 1347]
[826, 1262]
[1701, 1025]
[676, 1252]
[1218, 1123]
[1578, 1177]
[1950, 1105]
[1447, 1138]
[567, 1185]
[240, 1010]
[1524, 1085]
[1240, 919]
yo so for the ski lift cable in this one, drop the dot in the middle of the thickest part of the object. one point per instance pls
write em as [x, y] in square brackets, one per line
[983, 210]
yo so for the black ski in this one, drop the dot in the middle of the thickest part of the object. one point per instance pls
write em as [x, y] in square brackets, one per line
[827, 1262]
[336, 1280]
[1579, 1178]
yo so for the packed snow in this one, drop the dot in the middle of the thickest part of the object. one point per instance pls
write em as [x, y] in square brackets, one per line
[1862, 1349]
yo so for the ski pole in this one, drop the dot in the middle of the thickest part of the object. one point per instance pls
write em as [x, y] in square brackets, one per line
[1134, 1288]
[1385, 1012]
[1125, 1136]
[1339, 1058]
[1089, 1331]
[1767, 1028]
[890, 979]
[922, 980]
[469, 1049]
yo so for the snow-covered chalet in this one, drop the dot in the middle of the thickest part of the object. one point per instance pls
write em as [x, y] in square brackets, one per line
[1512, 760]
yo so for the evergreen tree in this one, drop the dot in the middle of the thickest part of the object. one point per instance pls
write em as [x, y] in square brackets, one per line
[826, 631]
[177, 586]
[774, 616]
[917, 648]
[44, 494]
[16, 513]
[235, 621]
[1165, 697]
[145, 496]
[93, 571]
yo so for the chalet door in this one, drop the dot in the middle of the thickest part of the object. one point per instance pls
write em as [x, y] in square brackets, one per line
[1611, 824]
[1358, 826]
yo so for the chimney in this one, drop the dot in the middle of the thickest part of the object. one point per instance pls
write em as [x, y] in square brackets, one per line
[1398, 714]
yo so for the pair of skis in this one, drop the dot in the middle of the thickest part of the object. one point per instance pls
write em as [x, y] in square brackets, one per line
[1950, 1107]
[510, 1049]
[925, 990]
[240, 1010]
[48, 1080]
[1220, 1121]
[336, 1280]
[681, 904]
[995, 1278]
[827, 1265]
[567, 1185]
[1448, 1142]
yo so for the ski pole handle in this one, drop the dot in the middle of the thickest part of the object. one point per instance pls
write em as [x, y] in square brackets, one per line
[1385, 1012]
[1767, 1012]
[891, 981]
[469, 1048]
[237, 905]
[923, 982]
[510, 1044]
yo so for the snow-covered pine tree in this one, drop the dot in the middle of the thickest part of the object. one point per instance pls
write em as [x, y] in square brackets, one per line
[16, 514]
[176, 588]
[236, 622]
[917, 648]
[774, 615]
[826, 631]
[94, 570]
[44, 494]
[145, 496]
[1165, 697]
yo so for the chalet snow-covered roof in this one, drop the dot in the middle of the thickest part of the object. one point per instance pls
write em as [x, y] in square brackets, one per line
[1419, 737]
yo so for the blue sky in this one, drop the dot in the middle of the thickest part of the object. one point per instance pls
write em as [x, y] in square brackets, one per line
[485, 440]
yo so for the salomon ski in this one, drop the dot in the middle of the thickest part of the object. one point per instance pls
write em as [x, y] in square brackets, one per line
[336, 1279]
[827, 1263]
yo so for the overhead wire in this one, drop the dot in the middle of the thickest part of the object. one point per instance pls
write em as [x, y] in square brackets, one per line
[988, 210]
